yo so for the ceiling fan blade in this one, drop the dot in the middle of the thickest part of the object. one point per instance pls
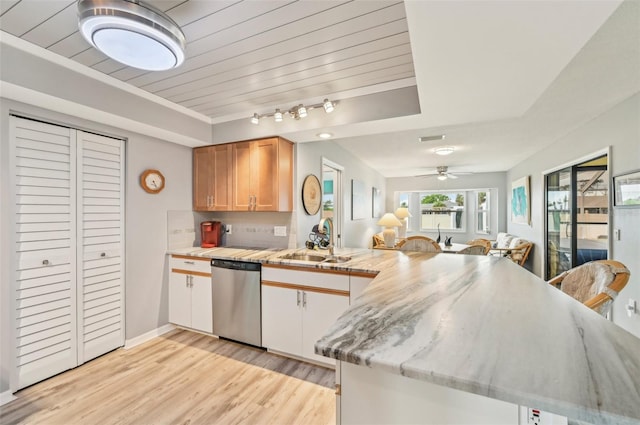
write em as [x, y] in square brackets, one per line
[452, 176]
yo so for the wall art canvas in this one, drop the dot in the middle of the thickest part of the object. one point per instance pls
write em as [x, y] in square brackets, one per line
[359, 204]
[375, 201]
[521, 201]
[627, 190]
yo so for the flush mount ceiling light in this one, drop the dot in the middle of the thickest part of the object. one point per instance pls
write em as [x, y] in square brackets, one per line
[132, 33]
[297, 112]
[432, 138]
[324, 135]
[444, 150]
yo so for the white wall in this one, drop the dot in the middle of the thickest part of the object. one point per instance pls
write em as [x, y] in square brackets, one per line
[618, 128]
[145, 217]
[355, 233]
[467, 182]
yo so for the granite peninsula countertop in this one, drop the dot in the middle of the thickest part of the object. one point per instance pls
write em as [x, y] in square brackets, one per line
[479, 324]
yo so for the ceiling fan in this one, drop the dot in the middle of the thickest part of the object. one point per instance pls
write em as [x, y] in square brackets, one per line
[443, 174]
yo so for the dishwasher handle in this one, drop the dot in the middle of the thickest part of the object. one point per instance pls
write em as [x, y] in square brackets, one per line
[236, 265]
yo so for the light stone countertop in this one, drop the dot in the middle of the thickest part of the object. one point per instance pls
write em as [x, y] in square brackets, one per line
[479, 324]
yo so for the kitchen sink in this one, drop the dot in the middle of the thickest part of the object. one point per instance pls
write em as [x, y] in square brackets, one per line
[337, 259]
[304, 257]
[315, 258]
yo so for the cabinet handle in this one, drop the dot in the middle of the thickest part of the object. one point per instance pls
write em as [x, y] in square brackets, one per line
[298, 298]
[45, 262]
[103, 254]
[304, 299]
[189, 262]
[255, 201]
[190, 281]
[186, 279]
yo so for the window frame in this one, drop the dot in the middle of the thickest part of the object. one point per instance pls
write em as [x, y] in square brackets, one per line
[464, 211]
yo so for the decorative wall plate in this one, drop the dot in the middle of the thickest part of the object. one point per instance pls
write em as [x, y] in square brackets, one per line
[311, 195]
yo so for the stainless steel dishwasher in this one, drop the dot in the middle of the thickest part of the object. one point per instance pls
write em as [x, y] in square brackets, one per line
[236, 301]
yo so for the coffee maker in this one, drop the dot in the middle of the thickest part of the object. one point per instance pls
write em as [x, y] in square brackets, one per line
[210, 234]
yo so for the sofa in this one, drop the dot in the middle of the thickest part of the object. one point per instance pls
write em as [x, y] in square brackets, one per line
[511, 246]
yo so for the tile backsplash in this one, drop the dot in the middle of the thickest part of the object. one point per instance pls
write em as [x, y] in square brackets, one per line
[249, 229]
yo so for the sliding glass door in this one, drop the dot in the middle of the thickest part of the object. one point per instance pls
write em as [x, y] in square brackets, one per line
[577, 228]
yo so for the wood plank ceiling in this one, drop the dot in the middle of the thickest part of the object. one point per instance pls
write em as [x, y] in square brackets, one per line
[245, 56]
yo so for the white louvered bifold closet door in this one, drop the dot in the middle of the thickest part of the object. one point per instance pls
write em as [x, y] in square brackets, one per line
[69, 256]
[100, 239]
[45, 254]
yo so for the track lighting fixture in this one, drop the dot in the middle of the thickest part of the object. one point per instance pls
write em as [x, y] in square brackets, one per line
[297, 112]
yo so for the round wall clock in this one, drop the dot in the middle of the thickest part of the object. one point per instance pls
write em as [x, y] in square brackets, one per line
[311, 194]
[152, 181]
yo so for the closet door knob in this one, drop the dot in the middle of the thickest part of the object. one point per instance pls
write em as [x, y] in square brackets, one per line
[103, 254]
[45, 262]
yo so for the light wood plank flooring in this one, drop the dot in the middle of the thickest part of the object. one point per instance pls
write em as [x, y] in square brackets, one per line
[181, 378]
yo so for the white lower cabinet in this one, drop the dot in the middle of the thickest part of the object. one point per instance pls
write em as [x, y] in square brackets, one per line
[298, 307]
[190, 298]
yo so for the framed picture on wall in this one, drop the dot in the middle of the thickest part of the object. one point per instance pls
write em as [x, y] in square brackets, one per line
[627, 190]
[359, 204]
[375, 202]
[521, 201]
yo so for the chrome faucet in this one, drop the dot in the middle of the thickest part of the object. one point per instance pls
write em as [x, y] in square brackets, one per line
[322, 230]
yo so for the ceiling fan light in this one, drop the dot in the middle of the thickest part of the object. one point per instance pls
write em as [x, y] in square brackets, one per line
[444, 150]
[255, 119]
[132, 33]
[277, 116]
[442, 177]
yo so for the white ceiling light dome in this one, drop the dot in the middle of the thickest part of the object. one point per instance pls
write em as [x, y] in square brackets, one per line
[132, 33]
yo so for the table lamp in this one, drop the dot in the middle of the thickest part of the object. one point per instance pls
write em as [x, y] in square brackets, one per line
[389, 221]
[402, 213]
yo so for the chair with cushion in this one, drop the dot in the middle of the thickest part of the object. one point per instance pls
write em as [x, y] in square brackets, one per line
[595, 284]
[485, 243]
[473, 250]
[378, 240]
[519, 250]
[419, 243]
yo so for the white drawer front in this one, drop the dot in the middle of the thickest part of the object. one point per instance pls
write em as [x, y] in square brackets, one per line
[193, 264]
[335, 281]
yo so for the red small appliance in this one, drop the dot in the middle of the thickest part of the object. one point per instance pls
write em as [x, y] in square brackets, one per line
[210, 234]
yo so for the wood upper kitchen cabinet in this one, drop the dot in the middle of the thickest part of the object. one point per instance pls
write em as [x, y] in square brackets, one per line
[212, 178]
[262, 175]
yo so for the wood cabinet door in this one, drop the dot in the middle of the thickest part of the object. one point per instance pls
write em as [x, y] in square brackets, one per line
[319, 312]
[241, 164]
[202, 178]
[264, 167]
[220, 167]
[201, 304]
[179, 299]
[281, 320]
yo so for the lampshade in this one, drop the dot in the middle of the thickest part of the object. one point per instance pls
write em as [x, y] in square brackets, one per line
[402, 212]
[389, 220]
[132, 33]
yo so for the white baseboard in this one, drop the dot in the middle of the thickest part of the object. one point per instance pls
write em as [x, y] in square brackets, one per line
[6, 397]
[140, 339]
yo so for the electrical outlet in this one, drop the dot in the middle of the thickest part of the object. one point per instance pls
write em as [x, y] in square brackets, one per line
[228, 229]
[280, 230]
[533, 416]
